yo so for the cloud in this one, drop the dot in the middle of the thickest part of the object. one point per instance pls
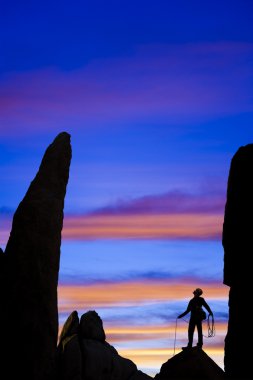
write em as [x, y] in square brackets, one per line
[173, 215]
[178, 82]
[132, 276]
[132, 293]
[105, 278]
[136, 227]
[173, 202]
[154, 226]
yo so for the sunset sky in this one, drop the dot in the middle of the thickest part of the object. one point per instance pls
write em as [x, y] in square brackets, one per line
[157, 97]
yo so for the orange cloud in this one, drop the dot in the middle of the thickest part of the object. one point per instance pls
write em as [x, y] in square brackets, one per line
[125, 330]
[118, 334]
[131, 293]
[151, 226]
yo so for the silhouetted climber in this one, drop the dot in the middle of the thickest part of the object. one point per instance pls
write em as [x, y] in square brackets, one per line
[197, 316]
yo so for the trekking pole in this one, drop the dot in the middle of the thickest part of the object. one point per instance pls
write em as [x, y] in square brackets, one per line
[176, 333]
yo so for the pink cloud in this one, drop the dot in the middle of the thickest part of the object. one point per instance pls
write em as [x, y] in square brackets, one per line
[141, 226]
[173, 215]
[132, 293]
[182, 82]
[192, 226]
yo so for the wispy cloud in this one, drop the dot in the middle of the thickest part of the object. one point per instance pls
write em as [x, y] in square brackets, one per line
[173, 215]
[138, 276]
[120, 333]
[155, 226]
[173, 202]
[132, 293]
[179, 82]
[147, 227]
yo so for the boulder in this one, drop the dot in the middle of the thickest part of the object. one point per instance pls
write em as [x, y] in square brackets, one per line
[91, 326]
[191, 364]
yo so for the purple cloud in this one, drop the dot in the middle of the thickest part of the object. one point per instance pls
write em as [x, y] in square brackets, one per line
[174, 202]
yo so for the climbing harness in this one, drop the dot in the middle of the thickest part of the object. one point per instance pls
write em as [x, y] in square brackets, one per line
[210, 330]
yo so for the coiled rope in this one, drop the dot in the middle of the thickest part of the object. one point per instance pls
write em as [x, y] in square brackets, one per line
[210, 327]
[210, 330]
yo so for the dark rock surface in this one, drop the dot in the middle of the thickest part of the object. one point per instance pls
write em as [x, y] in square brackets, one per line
[69, 357]
[237, 241]
[29, 315]
[91, 326]
[2, 262]
[84, 354]
[191, 364]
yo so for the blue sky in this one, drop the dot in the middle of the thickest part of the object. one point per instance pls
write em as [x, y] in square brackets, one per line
[157, 98]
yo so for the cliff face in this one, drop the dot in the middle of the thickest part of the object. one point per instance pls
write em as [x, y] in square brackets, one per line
[30, 266]
[238, 248]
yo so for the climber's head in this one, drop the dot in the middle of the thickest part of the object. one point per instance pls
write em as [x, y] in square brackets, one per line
[198, 292]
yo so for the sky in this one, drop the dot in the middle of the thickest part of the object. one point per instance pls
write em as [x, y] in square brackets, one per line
[157, 98]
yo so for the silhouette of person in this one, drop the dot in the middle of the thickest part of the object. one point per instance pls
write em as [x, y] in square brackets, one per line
[195, 307]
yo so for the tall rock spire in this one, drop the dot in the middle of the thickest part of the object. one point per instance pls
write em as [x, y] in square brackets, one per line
[237, 241]
[29, 315]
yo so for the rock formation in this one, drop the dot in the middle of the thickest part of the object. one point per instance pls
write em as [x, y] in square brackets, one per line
[83, 353]
[29, 315]
[192, 364]
[238, 246]
[69, 357]
[91, 326]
